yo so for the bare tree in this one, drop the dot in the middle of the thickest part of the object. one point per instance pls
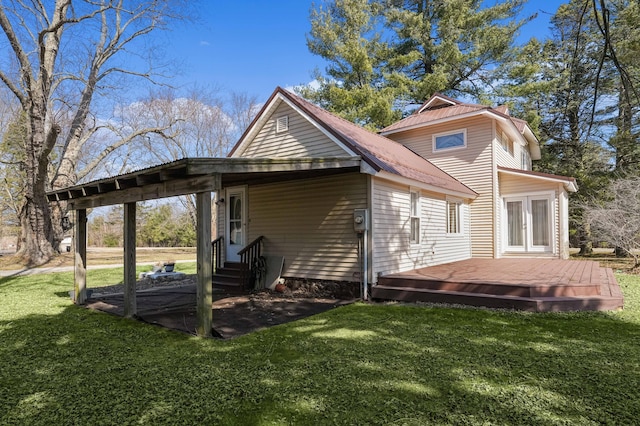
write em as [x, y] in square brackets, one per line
[203, 123]
[62, 55]
[617, 220]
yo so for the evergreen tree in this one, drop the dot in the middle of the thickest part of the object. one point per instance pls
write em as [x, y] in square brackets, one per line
[385, 55]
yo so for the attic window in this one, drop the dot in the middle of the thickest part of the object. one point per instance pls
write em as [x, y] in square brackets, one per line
[450, 140]
[282, 124]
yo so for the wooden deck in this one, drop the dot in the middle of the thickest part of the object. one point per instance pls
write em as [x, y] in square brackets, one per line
[540, 285]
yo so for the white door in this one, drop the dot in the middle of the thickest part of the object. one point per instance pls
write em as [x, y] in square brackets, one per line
[236, 223]
[529, 224]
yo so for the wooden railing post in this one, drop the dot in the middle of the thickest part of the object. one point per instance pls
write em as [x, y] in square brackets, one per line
[248, 255]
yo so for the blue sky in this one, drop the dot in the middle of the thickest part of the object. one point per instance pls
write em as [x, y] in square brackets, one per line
[254, 46]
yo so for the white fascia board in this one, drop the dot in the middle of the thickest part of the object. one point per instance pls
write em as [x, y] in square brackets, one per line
[417, 184]
[257, 126]
[432, 100]
[568, 184]
[435, 122]
[268, 111]
[319, 127]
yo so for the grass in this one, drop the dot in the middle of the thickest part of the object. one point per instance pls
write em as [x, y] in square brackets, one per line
[359, 364]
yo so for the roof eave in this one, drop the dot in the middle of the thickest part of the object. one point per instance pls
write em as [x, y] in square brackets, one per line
[427, 187]
[569, 183]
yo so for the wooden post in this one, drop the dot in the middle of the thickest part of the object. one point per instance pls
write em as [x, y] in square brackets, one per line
[80, 265]
[204, 292]
[130, 306]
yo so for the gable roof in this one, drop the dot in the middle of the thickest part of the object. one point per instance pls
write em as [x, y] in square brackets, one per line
[440, 108]
[380, 153]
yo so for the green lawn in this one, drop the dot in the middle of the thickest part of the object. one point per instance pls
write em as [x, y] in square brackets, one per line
[360, 364]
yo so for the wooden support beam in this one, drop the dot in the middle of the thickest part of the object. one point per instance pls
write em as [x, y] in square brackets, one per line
[204, 293]
[147, 192]
[130, 306]
[80, 265]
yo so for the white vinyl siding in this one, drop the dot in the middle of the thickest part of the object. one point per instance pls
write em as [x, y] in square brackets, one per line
[301, 139]
[507, 158]
[392, 248]
[310, 223]
[474, 166]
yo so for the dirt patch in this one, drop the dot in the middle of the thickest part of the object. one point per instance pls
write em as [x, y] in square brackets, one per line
[172, 304]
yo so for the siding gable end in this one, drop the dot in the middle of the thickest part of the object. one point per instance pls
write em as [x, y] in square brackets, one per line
[300, 139]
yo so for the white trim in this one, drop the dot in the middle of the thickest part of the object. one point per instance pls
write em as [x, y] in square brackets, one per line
[415, 215]
[491, 114]
[459, 216]
[425, 187]
[568, 184]
[528, 246]
[268, 112]
[435, 136]
[230, 255]
[439, 121]
[282, 123]
[436, 98]
[317, 126]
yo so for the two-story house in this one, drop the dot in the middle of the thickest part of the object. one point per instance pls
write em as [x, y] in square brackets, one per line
[450, 182]
[518, 212]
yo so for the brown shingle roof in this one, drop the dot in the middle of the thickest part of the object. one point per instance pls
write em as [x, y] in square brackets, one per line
[379, 152]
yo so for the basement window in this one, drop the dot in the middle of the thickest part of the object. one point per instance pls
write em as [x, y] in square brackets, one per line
[282, 124]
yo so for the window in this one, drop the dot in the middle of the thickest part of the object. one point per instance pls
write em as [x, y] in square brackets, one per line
[450, 140]
[525, 159]
[454, 222]
[282, 124]
[414, 237]
[507, 144]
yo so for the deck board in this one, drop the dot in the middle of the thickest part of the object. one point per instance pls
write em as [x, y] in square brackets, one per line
[533, 284]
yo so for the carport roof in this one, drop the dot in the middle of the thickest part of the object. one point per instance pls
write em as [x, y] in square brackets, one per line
[192, 175]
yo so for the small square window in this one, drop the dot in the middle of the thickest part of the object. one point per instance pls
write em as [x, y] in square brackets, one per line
[450, 140]
[282, 124]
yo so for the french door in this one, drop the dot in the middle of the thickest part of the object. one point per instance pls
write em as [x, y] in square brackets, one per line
[529, 223]
[236, 212]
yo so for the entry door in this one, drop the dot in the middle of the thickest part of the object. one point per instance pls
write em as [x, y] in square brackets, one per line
[236, 212]
[529, 224]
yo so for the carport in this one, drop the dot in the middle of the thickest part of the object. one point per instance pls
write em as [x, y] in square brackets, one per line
[199, 176]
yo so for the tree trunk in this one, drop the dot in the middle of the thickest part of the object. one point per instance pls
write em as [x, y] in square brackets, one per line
[586, 242]
[36, 239]
[36, 235]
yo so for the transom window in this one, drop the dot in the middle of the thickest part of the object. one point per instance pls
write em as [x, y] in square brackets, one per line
[456, 139]
[454, 217]
[414, 237]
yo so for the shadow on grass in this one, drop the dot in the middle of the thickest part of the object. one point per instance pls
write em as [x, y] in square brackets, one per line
[360, 364]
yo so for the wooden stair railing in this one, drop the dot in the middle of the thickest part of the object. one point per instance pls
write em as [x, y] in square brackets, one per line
[248, 257]
[216, 253]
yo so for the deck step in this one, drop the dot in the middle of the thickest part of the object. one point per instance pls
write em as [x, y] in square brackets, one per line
[532, 304]
[538, 286]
